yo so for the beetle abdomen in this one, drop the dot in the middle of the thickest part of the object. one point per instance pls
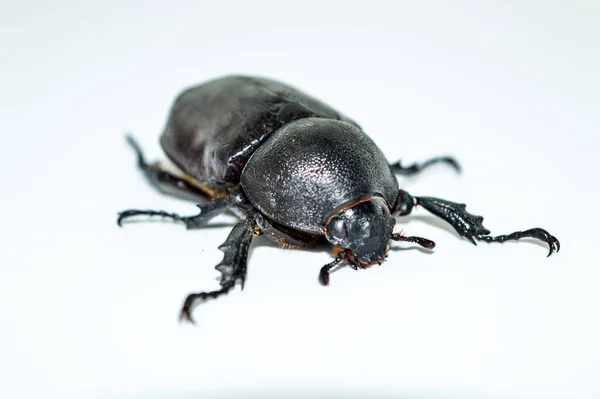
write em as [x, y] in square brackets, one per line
[214, 128]
[310, 168]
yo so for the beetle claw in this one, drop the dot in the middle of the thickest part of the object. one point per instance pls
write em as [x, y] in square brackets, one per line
[553, 243]
[536, 233]
[193, 300]
[185, 315]
[417, 167]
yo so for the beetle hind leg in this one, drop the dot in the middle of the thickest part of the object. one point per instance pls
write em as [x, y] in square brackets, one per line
[233, 266]
[415, 168]
[165, 181]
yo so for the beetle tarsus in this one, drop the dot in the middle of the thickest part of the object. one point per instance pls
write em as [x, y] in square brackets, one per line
[417, 167]
[468, 225]
[232, 267]
[135, 212]
[192, 300]
[537, 233]
[190, 221]
[324, 273]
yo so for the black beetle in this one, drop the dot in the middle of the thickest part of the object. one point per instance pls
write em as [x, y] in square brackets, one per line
[295, 170]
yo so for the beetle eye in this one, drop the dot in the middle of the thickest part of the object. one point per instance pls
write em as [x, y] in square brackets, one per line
[336, 231]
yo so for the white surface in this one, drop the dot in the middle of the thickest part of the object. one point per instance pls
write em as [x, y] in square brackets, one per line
[90, 310]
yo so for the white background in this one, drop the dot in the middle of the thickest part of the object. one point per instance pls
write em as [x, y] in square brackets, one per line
[90, 310]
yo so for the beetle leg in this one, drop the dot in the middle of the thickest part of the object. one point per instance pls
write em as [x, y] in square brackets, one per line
[417, 167]
[164, 181]
[468, 225]
[537, 233]
[236, 201]
[232, 267]
[207, 211]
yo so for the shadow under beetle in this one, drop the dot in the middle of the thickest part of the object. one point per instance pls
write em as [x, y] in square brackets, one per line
[295, 170]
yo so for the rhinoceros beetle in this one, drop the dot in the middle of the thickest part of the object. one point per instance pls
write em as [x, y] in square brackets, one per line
[294, 169]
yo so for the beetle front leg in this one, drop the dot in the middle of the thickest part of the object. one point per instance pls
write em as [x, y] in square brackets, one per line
[468, 225]
[232, 267]
[417, 167]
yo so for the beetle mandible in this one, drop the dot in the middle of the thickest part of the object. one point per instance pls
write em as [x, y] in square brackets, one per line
[294, 169]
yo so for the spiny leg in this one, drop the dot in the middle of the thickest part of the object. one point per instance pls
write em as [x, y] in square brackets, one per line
[232, 267]
[468, 225]
[164, 181]
[417, 167]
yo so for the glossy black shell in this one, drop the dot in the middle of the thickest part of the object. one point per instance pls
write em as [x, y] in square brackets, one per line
[311, 168]
[297, 159]
[214, 128]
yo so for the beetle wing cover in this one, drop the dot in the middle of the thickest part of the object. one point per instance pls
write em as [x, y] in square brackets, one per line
[214, 128]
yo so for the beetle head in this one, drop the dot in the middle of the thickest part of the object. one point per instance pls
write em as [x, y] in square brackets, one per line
[364, 229]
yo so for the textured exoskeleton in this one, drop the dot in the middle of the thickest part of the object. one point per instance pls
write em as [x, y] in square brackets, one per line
[294, 169]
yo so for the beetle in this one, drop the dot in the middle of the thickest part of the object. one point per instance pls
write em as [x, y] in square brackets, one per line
[295, 170]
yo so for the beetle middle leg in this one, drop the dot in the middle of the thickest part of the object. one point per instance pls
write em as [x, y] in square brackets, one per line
[415, 168]
[232, 267]
[468, 225]
[208, 211]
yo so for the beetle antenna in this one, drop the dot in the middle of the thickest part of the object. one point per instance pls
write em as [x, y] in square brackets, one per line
[424, 242]
[324, 273]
